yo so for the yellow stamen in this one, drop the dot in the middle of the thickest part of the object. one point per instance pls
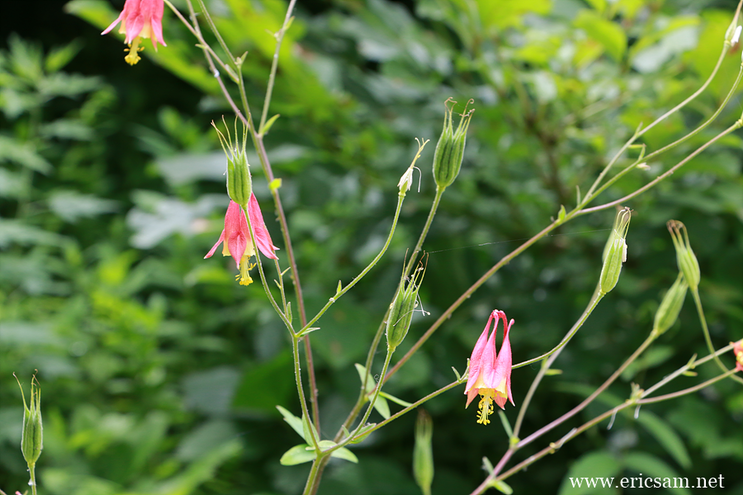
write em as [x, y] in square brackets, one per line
[485, 406]
[133, 57]
[245, 267]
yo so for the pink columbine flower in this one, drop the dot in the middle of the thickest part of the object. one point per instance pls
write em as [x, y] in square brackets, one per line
[738, 352]
[140, 19]
[236, 238]
[490, 373]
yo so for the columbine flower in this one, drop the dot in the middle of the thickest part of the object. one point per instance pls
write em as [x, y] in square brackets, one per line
[738, 352]
[236, 238]
[140, 19]
[490, 373]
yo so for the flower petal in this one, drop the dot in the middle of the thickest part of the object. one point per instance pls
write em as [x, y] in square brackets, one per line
[262, 237]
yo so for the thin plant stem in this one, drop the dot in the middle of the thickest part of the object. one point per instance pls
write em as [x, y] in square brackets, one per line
[689, 390]
[32, 474]
[689, 366]
[314, 478]
[552, 356]
[665, 175]
[652, 155]
[197, 33]
[300, 391]
[553, 446]
[361, 275]
[275, 65]
[649, 340]
[705, 330]
[639, 133]
[214, 29]
[378, 335]
[466, 295]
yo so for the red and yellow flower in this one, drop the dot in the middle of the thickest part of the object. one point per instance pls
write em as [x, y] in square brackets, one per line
[490, 372]
[140, 19]
[235, 238]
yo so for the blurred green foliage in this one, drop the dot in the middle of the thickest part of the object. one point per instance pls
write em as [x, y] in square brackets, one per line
[161, 374]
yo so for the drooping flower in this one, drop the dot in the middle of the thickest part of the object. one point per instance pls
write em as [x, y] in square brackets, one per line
[235, 238]
[490, 372]
[140, 19]
[738, 352]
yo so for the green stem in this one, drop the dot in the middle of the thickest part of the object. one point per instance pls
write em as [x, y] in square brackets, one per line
[618, 176]
[300, 391]
[689, 390]
[361, 275]
[380, 331]
[689, 366]
[424, 232]
[639, 133]
[575, 432]
[32, 474]
[705, 330]
[551, 356]
[665, 175]
[309, 487]
[466, 295]
[275, 65]
[591, 397]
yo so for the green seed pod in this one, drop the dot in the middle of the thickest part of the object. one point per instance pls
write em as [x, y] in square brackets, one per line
[402, 309]
[423, 452]
[239, 184]
[32, 437]
[615, 252]
[670, 306]
[447, 159]
[685, 257]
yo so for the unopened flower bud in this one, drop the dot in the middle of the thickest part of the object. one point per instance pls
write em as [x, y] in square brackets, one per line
[615, 252]
[407, 178]
[423, 452]
[670, 306]
[32, 438]
[685, 257]
[402, 309]
[239, 184]
[447, 160]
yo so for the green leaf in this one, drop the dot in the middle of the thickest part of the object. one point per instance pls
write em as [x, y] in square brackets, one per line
[381, 403]
[363, 433]
[264, 130]
[297, 455]
[651, 466]
[502, 486]
[395, 399]
[60, 56]
[608, 34]
[293, 421]
[667, 437]
[598, 464]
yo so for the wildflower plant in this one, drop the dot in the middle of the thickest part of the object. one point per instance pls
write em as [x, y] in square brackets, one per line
[491, 372]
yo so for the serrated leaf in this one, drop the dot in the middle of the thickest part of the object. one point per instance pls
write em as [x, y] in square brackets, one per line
[293, 421]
